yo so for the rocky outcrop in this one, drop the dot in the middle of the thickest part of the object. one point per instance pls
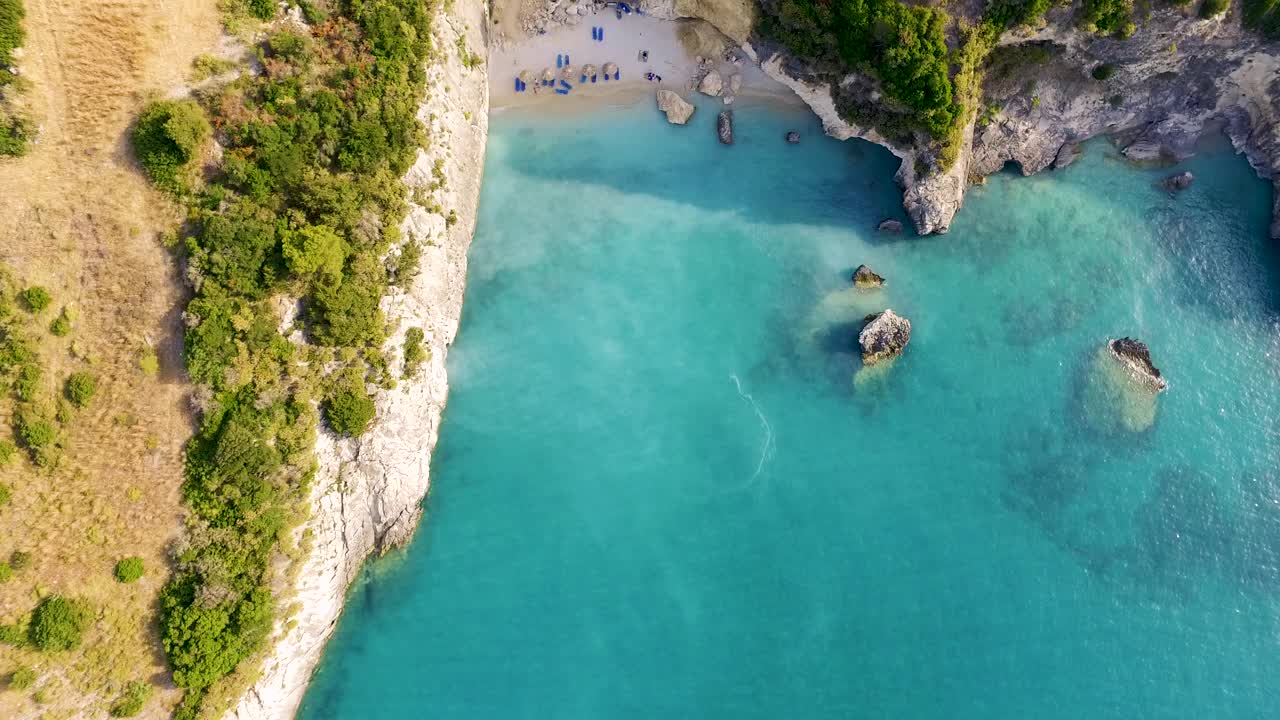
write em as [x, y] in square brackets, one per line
[367, 493]
[678, 110]
[890, 226]
[724, 127]
[793, 137]
[1137, 358]
[1177, 182]
[864, 278]
[711, 84]
[735, 83]
[885, 336]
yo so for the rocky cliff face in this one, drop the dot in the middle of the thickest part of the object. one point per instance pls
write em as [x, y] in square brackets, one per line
[1176, 77]
[367, 492]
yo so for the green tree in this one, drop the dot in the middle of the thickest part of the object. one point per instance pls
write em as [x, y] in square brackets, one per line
[36, 298]
[350, 410]
[315, 249]
[81, 387]
[129, 570]
[169, 137]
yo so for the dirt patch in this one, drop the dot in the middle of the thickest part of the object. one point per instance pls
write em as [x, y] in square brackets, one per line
[78, 219]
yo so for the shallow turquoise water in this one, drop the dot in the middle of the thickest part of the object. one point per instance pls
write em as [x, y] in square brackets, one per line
[659, 493]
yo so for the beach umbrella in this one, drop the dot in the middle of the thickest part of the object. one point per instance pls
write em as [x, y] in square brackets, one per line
[570, 73]
[525, 76]
[548, 75]
[610, 69]
[588, 69]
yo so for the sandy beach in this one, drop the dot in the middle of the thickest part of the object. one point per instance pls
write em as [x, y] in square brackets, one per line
[669, 56]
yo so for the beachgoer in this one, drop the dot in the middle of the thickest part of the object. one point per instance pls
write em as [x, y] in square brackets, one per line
[644, 56]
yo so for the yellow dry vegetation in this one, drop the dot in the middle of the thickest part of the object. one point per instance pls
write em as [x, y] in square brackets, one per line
[77, 217]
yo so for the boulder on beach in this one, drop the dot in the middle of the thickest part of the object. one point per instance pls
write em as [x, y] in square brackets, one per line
[890, 226]
[1177, 182]
[1121, 388]
[711, 84]
[735, 83]
[678, 109]
[724, 127]
[884, 336]
[793, 137]
[864, 278]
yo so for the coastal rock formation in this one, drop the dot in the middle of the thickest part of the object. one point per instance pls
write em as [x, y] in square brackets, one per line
[793, 137]
[735, 83]
[1121, 388]
[1137, 358]
[711, 84]
[884, 336]
[678, 110]
[1067, 154]
[864, 278]
[724, 127]
[890, 226]
[366, 495]
[1177, 182]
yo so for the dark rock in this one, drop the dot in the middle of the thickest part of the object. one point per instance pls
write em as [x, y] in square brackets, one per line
[1177, 182]
[890, 226]
[1137, 358]
[724, 127]
[866, 278]
[793, 137]
[884, 336]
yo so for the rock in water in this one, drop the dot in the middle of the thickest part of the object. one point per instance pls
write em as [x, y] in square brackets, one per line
[712, 84]
[865, 278]
[793, 137]
[1067, 154]
[678, 110]
[735, 83]
[890, 226]
[1137, 358]
[1177, 182]
[885, 335]
[724, 127]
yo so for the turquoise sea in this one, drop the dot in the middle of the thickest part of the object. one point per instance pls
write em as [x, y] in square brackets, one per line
[660, 493]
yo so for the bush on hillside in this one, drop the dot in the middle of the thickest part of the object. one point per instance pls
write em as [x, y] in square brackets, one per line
[129, 570]
[132, 701]
[1210, 8]
[1104, 71]
[5, 495]
[168, 139]
[350, 410]
[6, 572]
[59, 623]
[22, 678]
[20, 560]
[35, 298]
[81, 387]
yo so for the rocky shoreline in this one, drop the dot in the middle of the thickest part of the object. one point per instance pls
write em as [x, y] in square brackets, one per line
[367, 493]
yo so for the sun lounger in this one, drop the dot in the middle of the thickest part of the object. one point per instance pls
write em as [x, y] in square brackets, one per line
[593, 78]
[559, 61]
[565, 85]
[615, 74]
[561, 91]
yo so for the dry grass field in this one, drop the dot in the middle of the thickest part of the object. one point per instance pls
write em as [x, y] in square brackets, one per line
[77, 217]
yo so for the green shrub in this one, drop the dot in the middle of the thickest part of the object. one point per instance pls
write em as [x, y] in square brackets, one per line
[129, 570]
[315, 249]
[35, 298]
[38, 434]
[204, 67]
[61, 325]
[59, 623]
[132, 701]
[81, 387]
[350, 410]
[5, 495]
[27, 385]
[1263, 16]
[1108, 16]
[1210, 8]
[22, 678]
[13, 635]
[11, 35]
[20, 560]
[6, 572]
[415, 353]
[1105, 71]
[168, 139]
[149, 362]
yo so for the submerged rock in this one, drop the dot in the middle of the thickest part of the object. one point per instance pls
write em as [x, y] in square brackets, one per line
[735, 83]
[865, 278]
[724, 127]
[678, 109]
[1137, 358]
[793, 137]
[1067, 154]
[711, 84]
[885, 336]
[890, 226]
[1177, 182]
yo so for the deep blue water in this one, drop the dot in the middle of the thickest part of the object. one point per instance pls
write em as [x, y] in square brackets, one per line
[660, 493]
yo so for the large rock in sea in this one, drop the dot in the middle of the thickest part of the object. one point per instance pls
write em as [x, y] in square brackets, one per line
[864, 278]
[890, 226]
[884, 336]
[724, 127]
[1177, 182]
[793, 137]
[1121, 388]
[711, 84]
[678, 109]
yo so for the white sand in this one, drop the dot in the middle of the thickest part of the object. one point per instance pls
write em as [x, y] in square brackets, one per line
[623, 41]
